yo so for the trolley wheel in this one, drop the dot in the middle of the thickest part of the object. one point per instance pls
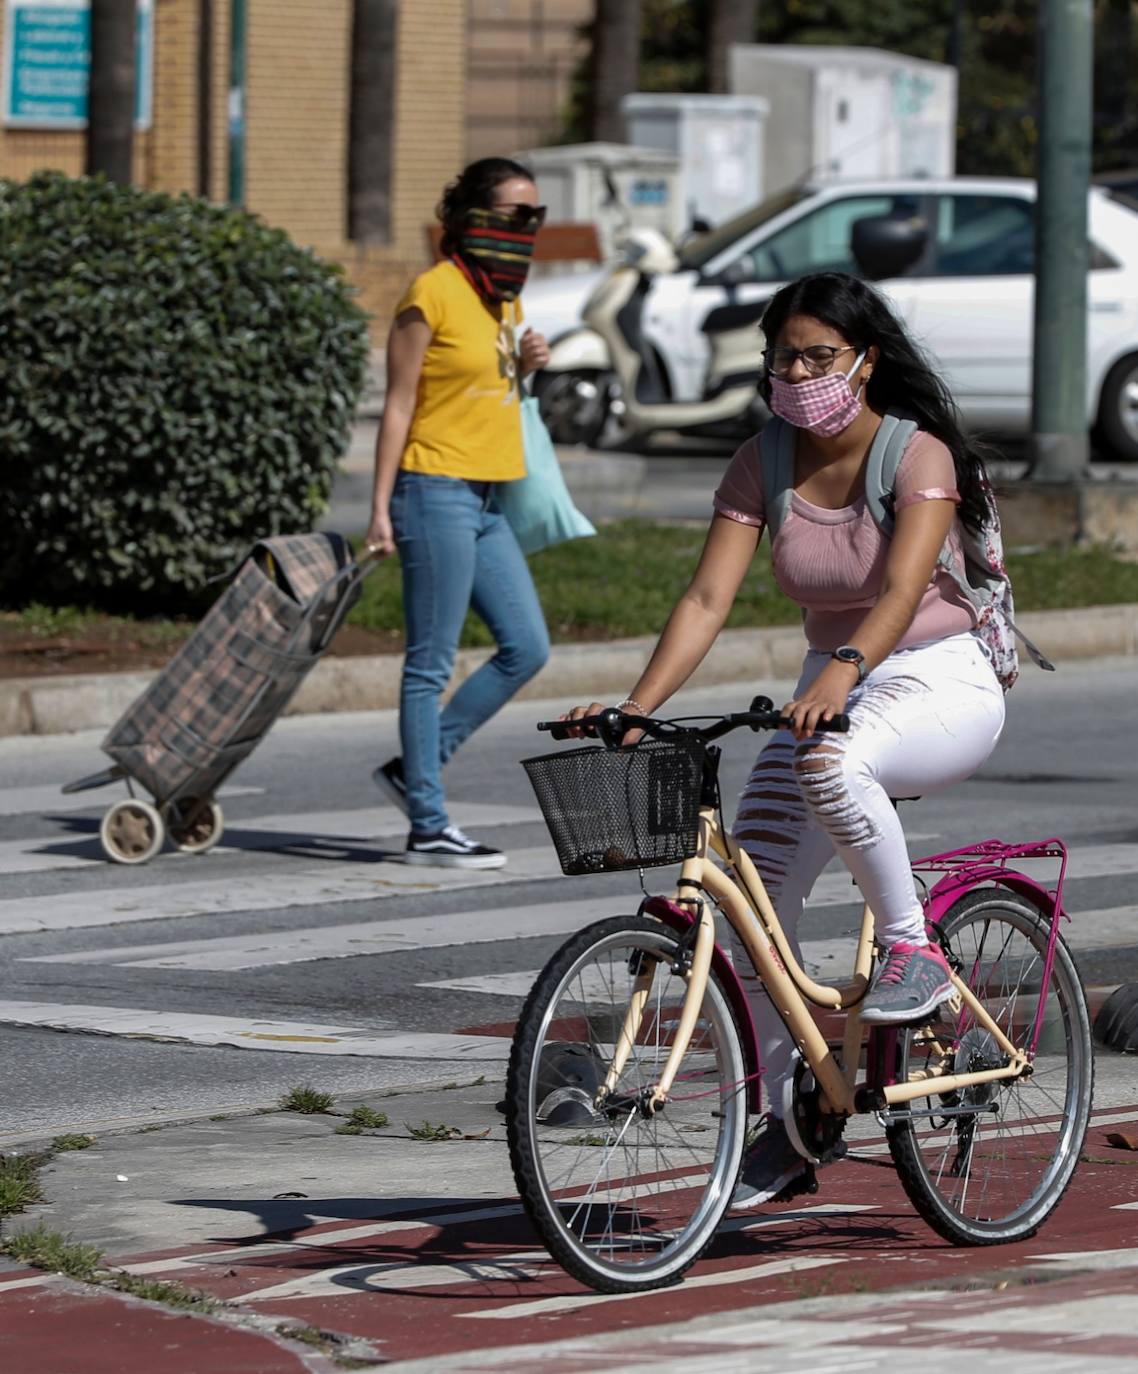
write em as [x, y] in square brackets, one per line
[132, 831]
[202, 832]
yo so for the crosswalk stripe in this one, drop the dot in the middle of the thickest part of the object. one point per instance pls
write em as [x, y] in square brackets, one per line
[322, 830]
[266, 950]
[50, 800]
[330, 884]
[821, 958]
[295, 1037]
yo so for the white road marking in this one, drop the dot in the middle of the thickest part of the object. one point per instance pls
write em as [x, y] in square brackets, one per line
[824, 958]
[1092, 1259]
[20, 801]
[570, 1303]
[295, 1037]
[331, 883]
[268, 949]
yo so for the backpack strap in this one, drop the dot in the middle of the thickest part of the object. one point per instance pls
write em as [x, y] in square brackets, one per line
[776, 471]
[885, 454]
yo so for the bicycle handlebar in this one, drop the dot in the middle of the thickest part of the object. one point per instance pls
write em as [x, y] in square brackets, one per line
[611, 724]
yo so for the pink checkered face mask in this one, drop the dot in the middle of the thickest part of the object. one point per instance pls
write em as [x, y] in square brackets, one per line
[823, 405]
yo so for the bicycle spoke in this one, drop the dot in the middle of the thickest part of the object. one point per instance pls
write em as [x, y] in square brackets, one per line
[997, 1173]
[624, 1196]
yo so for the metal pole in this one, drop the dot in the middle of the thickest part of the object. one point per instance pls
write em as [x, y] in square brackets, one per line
[1059, 415]
[237, 32]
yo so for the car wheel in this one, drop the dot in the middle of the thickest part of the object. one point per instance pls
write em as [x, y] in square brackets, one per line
[1118, 410]
[574, 405]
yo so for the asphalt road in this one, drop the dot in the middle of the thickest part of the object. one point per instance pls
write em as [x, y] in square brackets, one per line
[299, 934]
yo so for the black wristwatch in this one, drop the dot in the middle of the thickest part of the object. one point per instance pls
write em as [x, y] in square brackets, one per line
[846, 653]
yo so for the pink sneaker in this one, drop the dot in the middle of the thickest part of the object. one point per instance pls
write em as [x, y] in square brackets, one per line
[914, 980]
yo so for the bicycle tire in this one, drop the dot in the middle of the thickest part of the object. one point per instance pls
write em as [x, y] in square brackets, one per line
[996, 1176]
[632, 1202]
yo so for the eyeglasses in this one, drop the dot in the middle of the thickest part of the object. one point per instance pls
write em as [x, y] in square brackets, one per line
[524, 216]
[818, 359]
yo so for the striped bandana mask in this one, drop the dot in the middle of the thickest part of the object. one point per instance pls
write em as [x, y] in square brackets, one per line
[495, 254]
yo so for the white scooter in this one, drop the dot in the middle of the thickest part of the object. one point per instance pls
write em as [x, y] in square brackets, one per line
[604, 382]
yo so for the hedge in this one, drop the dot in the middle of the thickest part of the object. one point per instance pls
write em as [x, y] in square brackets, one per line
[176, 380]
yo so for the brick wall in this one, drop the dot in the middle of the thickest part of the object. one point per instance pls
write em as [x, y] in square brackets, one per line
[297, 108]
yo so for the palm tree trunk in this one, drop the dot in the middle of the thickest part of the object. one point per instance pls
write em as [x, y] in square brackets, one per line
[616, 65]
[110, 103]
[372, 133]
[729, 21]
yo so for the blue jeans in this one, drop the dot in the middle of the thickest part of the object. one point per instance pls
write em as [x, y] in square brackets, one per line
[457, 552]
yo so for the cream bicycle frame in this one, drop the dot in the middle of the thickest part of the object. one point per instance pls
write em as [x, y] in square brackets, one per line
[747, 907]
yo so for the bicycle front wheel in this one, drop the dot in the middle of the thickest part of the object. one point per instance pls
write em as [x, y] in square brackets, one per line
[625, 1200]
[990, 1163]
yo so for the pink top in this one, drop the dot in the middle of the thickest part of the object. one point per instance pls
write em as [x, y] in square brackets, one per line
[831, 562]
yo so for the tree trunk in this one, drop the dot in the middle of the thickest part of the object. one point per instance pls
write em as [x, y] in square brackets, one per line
[110, 102]
[1116, 61]
[372, 134]
[616, 65]
[729, 21]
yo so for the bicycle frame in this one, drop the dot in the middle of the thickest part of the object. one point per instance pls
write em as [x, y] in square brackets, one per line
[741, 896]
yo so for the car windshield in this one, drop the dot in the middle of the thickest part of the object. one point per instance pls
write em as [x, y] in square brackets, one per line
[701, 250]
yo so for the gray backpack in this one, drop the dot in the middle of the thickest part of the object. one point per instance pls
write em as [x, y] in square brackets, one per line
[983, 580]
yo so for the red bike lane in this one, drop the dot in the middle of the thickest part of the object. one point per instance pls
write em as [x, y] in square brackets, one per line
[471, 1275]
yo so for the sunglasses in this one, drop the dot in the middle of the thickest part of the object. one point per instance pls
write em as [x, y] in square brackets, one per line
[523, 216]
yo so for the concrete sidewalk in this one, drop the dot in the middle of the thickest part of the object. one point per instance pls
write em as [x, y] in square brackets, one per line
[56, 705]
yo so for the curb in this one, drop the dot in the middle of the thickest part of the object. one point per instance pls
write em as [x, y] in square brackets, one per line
[49, 706]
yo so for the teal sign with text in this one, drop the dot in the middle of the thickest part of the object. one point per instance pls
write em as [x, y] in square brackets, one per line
[47, 62]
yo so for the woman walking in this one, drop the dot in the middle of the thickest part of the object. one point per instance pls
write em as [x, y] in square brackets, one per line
[892, 641]
[451, 429]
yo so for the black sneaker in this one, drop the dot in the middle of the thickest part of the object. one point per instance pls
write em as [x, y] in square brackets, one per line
[389, 780]
[450, 848]
[769, 1166]
[774, 1171]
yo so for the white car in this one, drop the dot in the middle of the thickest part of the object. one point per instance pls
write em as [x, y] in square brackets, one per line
[967, 297]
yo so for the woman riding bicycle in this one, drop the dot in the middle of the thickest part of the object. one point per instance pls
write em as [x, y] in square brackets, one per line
[891, 641]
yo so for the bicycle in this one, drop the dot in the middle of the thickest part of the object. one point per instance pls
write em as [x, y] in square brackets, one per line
[635, 1063]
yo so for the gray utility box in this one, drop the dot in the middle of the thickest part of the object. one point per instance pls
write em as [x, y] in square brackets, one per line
[850, 113]
[611, 185]
[719, 141]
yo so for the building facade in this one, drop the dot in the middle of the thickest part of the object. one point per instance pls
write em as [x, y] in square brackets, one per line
[522, 55]
[295, 104]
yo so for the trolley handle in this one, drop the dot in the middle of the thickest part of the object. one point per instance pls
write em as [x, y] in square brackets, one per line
[611, 724]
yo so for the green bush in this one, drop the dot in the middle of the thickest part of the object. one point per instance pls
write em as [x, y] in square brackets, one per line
[177, 379]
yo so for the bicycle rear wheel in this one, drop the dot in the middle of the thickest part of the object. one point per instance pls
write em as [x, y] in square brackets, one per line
[623, 1200]
[993, 1161]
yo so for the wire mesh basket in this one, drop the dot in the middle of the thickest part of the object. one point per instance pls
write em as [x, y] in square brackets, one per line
[614, 809]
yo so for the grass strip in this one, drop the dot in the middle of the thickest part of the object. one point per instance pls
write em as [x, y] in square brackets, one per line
[625, 582]
[19, 1182]
[52, 1251]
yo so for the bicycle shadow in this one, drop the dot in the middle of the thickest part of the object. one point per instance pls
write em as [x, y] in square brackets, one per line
[460, 1248]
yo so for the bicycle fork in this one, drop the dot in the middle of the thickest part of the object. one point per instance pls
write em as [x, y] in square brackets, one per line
[694, 970]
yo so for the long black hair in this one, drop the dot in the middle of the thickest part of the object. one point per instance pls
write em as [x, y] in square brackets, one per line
[474, 190]
[902, 379]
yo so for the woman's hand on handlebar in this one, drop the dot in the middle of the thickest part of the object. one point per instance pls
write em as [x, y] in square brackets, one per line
[822, 700]
[594, 709]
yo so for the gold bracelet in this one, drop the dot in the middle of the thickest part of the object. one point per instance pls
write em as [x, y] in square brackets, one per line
[631, 701]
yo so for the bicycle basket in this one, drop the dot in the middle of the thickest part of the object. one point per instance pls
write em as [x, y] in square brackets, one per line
[614, 809]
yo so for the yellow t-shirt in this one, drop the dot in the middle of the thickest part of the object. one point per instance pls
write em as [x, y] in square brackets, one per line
[467, 419]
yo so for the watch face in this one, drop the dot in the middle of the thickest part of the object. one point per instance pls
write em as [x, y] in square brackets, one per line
[848, 654]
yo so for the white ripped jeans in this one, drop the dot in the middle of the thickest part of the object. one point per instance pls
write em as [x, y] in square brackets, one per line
[923, 719]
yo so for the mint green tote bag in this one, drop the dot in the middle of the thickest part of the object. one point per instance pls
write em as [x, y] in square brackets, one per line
[538, 506]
